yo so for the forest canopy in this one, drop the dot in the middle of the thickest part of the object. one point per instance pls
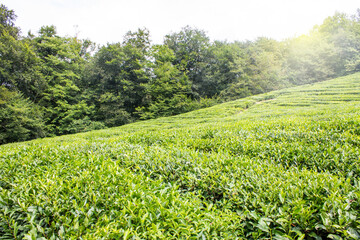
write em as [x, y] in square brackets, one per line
[53, 85]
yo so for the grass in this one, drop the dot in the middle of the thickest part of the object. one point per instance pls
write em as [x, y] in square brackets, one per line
[281, 165]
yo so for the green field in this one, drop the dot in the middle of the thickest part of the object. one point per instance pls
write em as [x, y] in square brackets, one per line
[281, 165]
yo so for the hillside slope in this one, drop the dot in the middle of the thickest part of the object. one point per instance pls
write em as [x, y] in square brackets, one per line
[281, 165]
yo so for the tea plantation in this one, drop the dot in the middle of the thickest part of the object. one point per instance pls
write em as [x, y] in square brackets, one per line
[282, 165]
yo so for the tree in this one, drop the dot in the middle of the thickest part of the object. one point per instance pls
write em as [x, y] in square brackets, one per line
[167, 91]
[136, 71]
[225, 67]
[342, 32]
[309, 59]
[257, 68]
[19, 65]
[103, 86]
[192, 55]
[62, 65]
[20, 84]
[20, 119]
[116, 77]
[7, 22]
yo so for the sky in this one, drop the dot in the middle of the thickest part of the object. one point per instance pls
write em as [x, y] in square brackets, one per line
[107, 21]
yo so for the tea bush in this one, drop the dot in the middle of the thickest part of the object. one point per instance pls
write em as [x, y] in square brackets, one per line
[282, 165]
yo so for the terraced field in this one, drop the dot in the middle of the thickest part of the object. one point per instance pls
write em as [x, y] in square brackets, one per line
[282, 165]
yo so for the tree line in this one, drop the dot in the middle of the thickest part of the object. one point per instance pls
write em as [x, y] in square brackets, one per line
[53, 85]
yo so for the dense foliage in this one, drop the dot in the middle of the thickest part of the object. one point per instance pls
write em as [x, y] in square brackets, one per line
[281, 165]
[77, 86]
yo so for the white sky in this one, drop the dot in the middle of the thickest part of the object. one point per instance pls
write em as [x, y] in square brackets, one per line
[105, 21]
